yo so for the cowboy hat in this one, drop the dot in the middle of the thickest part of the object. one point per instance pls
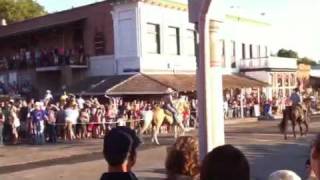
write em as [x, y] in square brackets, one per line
[169, 91]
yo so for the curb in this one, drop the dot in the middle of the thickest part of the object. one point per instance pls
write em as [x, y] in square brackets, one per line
[240, 121]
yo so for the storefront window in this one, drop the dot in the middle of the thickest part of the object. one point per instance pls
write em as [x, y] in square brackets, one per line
[286, 81]
[279, 80]
[293, 79]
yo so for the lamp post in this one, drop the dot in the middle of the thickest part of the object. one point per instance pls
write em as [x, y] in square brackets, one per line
[209, 75]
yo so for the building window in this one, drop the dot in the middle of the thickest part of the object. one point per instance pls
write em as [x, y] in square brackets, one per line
[223, 48]
[233, 55]
[243, 51]
[251, 51]
[191, 40]
[153, 36]
[99, 43]
[266, 51]
[174, 41]
[258, 51]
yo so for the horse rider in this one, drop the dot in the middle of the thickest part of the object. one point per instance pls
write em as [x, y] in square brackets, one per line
[296, 98]
[168, 104]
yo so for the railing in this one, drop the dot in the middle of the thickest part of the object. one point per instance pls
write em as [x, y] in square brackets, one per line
[268, 62]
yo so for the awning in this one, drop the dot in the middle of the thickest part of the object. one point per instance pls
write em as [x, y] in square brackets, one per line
[150, 84]
[138, 84]
[241, 81]
[158, 84]
[96, 86]
[36, 24]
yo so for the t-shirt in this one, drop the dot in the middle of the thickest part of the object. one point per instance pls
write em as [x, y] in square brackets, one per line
[119, 176]
[38, 115]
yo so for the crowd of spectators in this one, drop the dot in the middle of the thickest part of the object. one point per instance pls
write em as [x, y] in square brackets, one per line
[70, 118]
[232, 105]
[25, 58]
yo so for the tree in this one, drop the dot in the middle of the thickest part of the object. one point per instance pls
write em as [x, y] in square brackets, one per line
[287, 53]
[307, 61]
[19, 10]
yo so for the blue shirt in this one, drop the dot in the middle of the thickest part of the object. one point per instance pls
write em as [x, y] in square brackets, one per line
[295, 98]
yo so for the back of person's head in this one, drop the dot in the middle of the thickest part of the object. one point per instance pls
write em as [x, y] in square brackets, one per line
[315, 156]
[284, 175]
[225, 163]
[183, 157]
[120, 146]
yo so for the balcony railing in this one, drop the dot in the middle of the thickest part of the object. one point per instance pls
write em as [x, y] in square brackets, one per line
[269, 62]
[43, 64]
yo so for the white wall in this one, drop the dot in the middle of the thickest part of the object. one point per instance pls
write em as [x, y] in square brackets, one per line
[126, 38]
[259, 75]
[243, 32]
[165, 17]
[102, 66]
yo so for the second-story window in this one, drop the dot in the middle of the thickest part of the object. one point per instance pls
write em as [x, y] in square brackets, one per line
[266, 51]
[173, 40]
[233, 55]
[153, 36]
[99, 43]
[191, 40]
[223, 48]
[243, 51]
[251, 51]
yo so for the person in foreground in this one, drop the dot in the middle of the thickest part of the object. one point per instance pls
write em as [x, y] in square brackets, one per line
[182, 161]
[315, 157]
[225, 163]
[284, 175]
[120, 151]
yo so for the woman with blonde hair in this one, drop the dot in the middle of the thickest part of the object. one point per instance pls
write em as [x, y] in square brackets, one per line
[182, 161]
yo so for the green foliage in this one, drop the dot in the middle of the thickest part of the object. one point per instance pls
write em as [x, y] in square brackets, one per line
[287, 53]
[306, 60]
[19, 10]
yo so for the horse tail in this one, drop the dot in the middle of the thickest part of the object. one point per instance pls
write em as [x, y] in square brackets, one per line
[283, 123]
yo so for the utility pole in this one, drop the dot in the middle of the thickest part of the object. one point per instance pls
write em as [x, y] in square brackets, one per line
[206, 15]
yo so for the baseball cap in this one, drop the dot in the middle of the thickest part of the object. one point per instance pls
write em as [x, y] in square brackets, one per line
[119, 143]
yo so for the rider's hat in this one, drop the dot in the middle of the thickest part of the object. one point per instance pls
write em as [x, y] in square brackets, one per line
[169, 91]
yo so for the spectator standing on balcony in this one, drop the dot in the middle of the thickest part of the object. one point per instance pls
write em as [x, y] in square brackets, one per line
[37, 56]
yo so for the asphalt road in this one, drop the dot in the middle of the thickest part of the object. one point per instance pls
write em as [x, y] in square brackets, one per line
[265, 148]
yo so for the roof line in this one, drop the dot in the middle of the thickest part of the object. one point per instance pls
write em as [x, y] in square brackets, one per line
[153, 79]
[120, 83]
[58, 12]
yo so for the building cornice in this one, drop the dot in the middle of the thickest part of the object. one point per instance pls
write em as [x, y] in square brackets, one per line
[171, 4]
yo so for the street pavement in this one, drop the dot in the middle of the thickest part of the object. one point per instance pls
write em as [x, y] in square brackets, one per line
[261, 142]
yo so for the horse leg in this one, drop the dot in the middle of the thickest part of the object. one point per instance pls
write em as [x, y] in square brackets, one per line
[155, 134]
[294, 129]
[301, 130]
[176, 129]
[307, 127]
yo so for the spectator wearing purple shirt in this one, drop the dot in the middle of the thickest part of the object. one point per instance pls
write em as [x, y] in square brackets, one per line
[38, 120]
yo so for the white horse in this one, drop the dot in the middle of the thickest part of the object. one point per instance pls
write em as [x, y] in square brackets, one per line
[156, 118]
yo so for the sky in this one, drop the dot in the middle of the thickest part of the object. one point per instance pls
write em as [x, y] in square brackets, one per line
[294, 22]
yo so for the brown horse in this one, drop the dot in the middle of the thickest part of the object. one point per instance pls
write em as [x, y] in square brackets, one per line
[296, 114]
